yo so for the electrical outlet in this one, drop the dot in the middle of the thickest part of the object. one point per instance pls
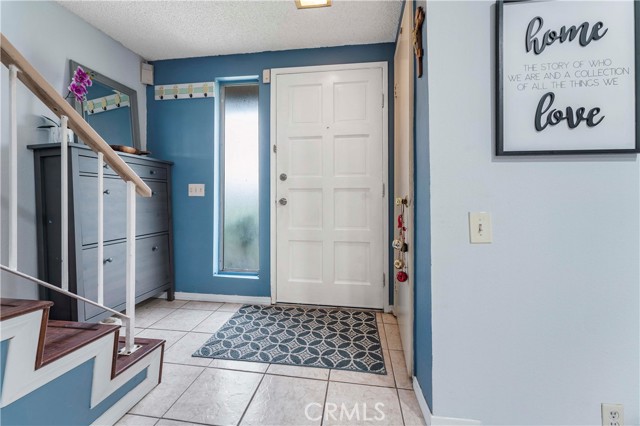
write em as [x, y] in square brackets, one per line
[196, 190]
[612, 415]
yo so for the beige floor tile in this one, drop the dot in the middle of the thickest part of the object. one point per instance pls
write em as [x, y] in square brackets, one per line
[392, 333]
[385, 380]
[169, 336]
[181, 320]
[229, 364]
[167, 422]
[383, 336]
[213, 322]
[204, 306]
[378, 316]
[297, 371]
[389, 319]
[164, 303]
[286, 401]
[132, 420]
[350, 404]
[230, 307]
[403, 380]
[410, 408]
[175, 380]
[217, 397]
[181, 351]
[147, 315]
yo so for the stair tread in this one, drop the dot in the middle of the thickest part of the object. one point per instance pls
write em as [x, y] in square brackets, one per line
[125, 361]
[10, 308]
[64, 337]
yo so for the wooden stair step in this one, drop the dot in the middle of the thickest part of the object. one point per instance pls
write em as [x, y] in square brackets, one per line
[10, 308]
[64, 337]
[125, 361]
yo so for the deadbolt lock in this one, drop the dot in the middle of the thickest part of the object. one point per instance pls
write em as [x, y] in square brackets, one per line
[282, 201]
[283, 176]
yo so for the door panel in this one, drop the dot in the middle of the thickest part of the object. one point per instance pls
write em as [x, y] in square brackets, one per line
[403, 175]
[329, 232]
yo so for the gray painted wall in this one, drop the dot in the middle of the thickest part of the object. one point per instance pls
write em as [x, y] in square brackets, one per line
[48, 35]
[541, 326]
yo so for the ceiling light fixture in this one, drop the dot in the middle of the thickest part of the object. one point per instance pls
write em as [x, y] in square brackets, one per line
[308, 4]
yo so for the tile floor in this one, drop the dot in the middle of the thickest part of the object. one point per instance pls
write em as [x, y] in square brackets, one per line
[201, 391]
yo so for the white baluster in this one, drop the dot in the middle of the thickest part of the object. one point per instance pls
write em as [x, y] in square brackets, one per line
[64, 211]
[100, 228]
[131, 265]
[13, 180]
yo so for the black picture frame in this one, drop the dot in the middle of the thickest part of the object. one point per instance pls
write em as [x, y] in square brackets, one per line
[499, 10]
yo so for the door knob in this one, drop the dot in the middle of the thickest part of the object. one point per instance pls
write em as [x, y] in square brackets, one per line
[283, 176]
[282, 201]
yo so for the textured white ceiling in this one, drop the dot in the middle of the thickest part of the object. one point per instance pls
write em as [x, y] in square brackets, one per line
[182, 29]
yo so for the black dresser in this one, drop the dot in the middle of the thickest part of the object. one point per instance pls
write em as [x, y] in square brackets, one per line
[154, 239]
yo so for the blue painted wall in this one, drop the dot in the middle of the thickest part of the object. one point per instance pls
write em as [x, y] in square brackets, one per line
[63, 401]
[422, 296]
[183, 131]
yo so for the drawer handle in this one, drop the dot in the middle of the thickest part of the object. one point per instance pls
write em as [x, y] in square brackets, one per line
[154, 248]
[108, 260]
[106, 192]
[152, 172]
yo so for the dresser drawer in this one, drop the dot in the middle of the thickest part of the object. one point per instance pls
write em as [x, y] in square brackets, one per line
[114, 262]
[152, 213]
[148, 171]
[152, 263]
[89, 164]
[115, 208]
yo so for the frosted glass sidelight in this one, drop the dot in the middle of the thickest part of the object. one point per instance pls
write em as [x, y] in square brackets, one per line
[239, 172]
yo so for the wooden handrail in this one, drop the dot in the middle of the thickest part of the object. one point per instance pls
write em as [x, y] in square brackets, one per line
[34, 81]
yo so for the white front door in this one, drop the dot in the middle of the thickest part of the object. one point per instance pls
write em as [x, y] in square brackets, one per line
[329, 188]
[403, 174]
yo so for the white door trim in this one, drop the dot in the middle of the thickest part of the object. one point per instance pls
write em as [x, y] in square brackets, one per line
[385, 161]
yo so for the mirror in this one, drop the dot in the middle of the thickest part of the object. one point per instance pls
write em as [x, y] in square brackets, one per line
[110, 108]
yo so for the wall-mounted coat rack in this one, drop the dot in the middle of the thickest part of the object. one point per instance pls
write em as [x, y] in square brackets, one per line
[167, 92]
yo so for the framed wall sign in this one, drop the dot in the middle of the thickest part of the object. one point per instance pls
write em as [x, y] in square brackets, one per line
[567, 77]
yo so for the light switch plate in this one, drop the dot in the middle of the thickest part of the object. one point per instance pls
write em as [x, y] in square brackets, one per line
[480, 231]
[196, 190]
[266, 76]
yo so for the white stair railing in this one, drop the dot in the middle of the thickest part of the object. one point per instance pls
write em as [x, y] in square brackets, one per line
[20, 69]
[13, 173]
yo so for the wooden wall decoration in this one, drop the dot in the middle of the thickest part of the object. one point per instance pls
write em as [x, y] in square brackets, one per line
[184, 91]
[417, 38]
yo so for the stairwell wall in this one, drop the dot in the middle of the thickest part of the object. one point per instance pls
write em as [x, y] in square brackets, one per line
[48, 35]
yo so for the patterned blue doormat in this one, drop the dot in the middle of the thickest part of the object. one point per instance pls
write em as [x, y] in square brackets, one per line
[327, 338]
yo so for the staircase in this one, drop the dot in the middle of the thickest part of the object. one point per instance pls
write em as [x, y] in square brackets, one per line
[39, 354]
[62, 372]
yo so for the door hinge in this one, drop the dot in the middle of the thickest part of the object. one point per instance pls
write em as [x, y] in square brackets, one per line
[383, 100]
[383, 189]
[395, 90]
[384, 279]
[275, 149]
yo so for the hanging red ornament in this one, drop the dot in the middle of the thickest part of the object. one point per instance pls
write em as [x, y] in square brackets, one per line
[402, 276]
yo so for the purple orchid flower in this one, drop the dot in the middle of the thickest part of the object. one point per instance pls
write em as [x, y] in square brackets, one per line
[82, 77]
[78, 90]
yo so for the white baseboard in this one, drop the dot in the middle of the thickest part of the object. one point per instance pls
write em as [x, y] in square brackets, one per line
[432, 420]
[223, 298]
